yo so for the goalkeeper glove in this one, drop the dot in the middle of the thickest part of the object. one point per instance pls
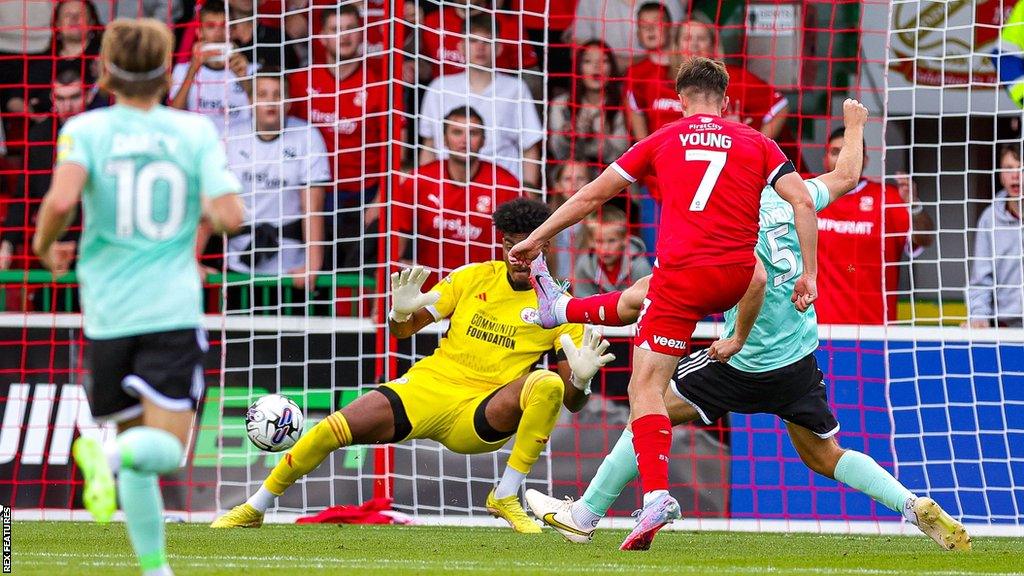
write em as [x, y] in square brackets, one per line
[586, 360]
[406, 297]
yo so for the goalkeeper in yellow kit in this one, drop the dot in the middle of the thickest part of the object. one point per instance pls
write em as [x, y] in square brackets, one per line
[479, 387]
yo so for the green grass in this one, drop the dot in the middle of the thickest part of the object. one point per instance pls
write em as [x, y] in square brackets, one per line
[55, 548]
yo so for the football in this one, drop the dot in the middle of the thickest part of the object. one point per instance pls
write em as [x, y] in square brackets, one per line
[273, 423]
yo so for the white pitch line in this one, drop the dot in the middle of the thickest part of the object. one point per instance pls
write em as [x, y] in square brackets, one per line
[298, 562]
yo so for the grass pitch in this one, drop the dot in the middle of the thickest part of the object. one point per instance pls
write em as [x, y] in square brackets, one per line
[52, 548]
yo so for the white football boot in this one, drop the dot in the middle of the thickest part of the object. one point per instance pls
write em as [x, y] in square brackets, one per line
[558, 514]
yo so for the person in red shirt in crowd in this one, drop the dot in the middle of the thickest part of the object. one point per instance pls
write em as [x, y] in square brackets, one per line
[446, 206]
[856, 246]
[712, 172]
[348, 102]
[646, 80]
[443, 30]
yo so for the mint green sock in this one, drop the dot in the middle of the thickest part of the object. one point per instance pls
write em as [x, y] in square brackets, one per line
[151, 450]
[145, 454]
[861, 472]
[143, 508]
[618, 469]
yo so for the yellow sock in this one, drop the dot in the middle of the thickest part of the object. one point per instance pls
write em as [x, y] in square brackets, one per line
[312, 448]
[541, 401]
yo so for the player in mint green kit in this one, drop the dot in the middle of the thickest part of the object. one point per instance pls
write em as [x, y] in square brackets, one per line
[763, 364]
[145, 176]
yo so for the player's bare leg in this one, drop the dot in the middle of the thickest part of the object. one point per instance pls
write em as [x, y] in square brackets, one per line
[652, 440]
[528, 407]
[860, 471]
[367, 420]
[577, 520]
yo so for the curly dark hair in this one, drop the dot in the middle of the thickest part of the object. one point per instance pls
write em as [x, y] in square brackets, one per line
[520, 216]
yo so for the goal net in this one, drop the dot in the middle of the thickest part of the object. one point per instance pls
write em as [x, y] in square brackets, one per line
[408, 123]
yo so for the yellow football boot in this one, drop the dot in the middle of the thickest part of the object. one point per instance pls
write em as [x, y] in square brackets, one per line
[241, 516]
[940, 526]
[511, 510]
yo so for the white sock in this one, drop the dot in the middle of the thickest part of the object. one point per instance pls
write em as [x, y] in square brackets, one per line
[559, 309]
[654, 495]
[511, 480]
[908, 511]
[262, 499]
[112, 451]
[164, 570]
[583, 517]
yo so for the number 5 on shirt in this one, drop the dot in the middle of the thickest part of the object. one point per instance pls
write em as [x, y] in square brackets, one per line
[716, 161]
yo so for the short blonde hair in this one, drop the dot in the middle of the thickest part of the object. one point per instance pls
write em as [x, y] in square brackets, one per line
[135, 58]
[608, 216]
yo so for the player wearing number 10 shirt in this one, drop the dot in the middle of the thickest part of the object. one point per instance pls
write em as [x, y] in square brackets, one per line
[711, 172]
[144, 175]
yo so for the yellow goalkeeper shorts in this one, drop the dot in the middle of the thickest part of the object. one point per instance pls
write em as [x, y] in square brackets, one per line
[428, 406]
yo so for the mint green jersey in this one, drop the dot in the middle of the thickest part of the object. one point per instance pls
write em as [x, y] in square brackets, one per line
[781, 335]
[147, 174]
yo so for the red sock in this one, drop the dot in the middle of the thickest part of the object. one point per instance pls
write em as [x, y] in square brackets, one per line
[598, 309]
[652, 441]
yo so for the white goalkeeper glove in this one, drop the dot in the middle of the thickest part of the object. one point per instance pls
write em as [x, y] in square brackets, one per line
[586, 360]
[406, 297]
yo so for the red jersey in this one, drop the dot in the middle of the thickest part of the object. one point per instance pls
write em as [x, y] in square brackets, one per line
[649, 91]
[451, 220]
[352, 116]
[852, 239]
[443, 30]
[711, 172]
[560, 13]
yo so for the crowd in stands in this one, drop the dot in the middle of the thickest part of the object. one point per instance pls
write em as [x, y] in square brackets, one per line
[489, 101]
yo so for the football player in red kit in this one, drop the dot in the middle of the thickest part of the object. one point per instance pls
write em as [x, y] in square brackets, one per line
[712, 172]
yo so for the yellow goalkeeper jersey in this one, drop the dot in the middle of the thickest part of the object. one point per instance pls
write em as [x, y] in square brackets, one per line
[491, 340]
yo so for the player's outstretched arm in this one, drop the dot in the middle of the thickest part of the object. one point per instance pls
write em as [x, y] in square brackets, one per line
[55, 215]
[850, 164]
[582, 363]
[408, 313]
[746, 314]
[589, 198]
[793, 190]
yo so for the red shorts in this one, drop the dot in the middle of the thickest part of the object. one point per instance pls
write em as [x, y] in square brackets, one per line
[679, 298]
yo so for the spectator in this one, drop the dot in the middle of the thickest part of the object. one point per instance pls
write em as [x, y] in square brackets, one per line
[26, 30]
[647, 77]
[514, 131]
[213, 82]
[447, 205]
[444, 30]
[612, 22]
[589, 123]
[566, 178]
[862, 236]
[168, 11]
[615, 261]
[348, 102]
[69, 98]
[995, 295]
[75, 45]
[263, 46]
[283, 168]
